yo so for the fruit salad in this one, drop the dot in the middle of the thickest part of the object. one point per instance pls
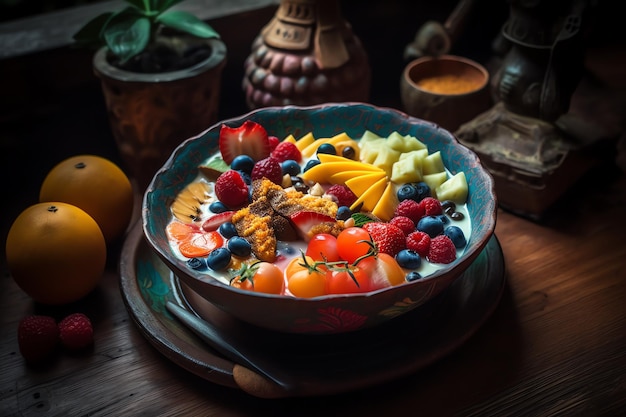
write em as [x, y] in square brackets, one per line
[309, 216]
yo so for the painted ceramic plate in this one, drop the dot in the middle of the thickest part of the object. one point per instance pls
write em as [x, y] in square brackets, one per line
[332, 364]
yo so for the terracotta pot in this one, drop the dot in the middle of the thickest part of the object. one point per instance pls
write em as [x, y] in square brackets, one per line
[151, 114]
[467, 96]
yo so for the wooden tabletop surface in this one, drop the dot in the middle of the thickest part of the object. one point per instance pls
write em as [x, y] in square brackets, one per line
[555, 345]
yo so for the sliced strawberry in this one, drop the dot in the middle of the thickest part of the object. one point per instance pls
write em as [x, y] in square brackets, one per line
[215, 221]
[248, 139]
[304, 221]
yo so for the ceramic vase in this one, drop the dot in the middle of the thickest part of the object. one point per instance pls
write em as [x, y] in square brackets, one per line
[151, 114]
[307, 54]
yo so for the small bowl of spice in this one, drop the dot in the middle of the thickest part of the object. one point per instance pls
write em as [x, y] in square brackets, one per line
[447, 90]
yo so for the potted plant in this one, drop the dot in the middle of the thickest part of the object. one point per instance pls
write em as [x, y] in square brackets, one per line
[160, 72]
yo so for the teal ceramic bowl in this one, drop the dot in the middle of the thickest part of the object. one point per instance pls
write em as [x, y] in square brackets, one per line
[331, 313]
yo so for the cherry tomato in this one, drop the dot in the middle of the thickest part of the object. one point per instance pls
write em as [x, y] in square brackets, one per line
[383, 270]
[304, 278]
[352, 243]
[348, 280]
[323, 247]
[262, 277]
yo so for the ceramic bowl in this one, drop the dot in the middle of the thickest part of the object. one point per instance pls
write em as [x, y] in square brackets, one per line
[331, 313]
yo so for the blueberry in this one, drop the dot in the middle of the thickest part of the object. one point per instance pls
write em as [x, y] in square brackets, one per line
[343, 213]
[218, 207]
[444, 219]
[243, 163]
[239, 246]
[311, 164]
[408, 259]
[432, 225]
[219, 259]
[413, 276]
[246, 177]
[197, 264]
[327, 148]
[407, 192]
[456, 236]
[290, 167]
[423, 190]
[227, 230]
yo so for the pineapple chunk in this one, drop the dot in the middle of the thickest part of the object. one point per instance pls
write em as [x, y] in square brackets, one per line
[369, 150]
[396, 142]
[433, 164]
[386, 158]
[290, 139]
[411, 143]
[408, 168]
[455, 188]
[435, 180]
[369, 136]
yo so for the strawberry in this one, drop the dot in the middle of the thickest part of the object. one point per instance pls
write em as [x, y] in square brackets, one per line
[75, 331]
[268, 168]
[231, 189]
[304, 221]
[343, 194]
[418, 242]
[248, 139]
[389, 239]
[37, 336]
[215, 221]
[442, 250]
[431, 206]
[411, 209]
[404, 223]
[286, 151]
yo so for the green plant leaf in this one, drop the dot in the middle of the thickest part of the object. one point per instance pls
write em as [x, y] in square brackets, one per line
[188, 23]
[90, 34]
[127, 37]
[141, 5]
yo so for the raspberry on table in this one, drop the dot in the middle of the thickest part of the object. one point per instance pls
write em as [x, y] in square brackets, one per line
[411, 209]
[404, 223]
[76, 331]
[418, 242]
[442, 250]
[37, 337]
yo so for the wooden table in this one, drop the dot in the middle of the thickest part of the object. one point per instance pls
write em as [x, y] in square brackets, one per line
[555, 345]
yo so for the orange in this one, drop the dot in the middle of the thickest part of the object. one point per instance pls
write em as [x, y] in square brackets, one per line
[96, 185]
[56, 252]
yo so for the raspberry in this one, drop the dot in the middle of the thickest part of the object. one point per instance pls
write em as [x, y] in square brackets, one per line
[442, 250]
[431, 206]
[418, 242]
[285, 151]
[75, 331]
[343, 194]
[404, 223]
[388, 238]
[411, 209]
[268, 168]
[37, 336]
[231, 189]
[274, 141]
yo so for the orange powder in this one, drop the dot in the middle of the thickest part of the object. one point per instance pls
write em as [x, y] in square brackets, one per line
[448, 84]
